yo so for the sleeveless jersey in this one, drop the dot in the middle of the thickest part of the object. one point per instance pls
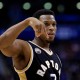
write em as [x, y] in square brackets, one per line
[43, 65]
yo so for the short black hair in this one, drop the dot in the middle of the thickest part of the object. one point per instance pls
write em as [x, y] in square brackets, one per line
[43, 12]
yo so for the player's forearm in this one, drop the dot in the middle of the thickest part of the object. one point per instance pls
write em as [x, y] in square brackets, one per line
[7, 38]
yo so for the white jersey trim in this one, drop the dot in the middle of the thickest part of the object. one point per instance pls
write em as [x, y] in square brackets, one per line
[48, 52]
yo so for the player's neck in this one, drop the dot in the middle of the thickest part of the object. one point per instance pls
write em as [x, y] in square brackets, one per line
[41, 43]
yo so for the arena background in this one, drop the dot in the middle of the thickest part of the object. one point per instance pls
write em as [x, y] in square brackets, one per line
[66, 43]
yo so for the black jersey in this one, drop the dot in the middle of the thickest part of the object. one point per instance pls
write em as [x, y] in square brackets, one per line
[43, 65]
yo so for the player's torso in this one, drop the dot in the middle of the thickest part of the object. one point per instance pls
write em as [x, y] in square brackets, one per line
[44, 66]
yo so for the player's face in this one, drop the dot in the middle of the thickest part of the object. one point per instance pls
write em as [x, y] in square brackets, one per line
[50, 26]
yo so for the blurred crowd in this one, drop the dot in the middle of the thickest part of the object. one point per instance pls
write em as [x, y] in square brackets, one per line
[69, 52]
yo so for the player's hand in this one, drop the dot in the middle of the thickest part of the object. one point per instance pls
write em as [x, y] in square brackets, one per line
[37, 26]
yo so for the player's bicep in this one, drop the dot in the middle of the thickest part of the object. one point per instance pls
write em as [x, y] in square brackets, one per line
[13, 49]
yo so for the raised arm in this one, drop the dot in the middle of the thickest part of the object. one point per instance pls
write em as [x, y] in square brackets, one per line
[9, 36]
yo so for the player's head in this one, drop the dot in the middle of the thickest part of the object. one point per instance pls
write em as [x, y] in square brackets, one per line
[48, 18]
[43, 12]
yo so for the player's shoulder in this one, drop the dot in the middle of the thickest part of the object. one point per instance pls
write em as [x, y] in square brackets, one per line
[20, 41]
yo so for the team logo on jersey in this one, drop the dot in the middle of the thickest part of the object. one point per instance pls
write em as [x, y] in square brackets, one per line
[37, 50]
[49, 64]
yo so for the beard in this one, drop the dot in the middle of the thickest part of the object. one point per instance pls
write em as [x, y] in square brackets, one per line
[49, 41]
[45, 39]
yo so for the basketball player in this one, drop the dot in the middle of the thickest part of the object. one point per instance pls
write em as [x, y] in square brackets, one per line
[33, 60]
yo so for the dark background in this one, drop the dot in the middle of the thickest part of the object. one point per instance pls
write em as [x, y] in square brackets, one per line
[67, 40]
